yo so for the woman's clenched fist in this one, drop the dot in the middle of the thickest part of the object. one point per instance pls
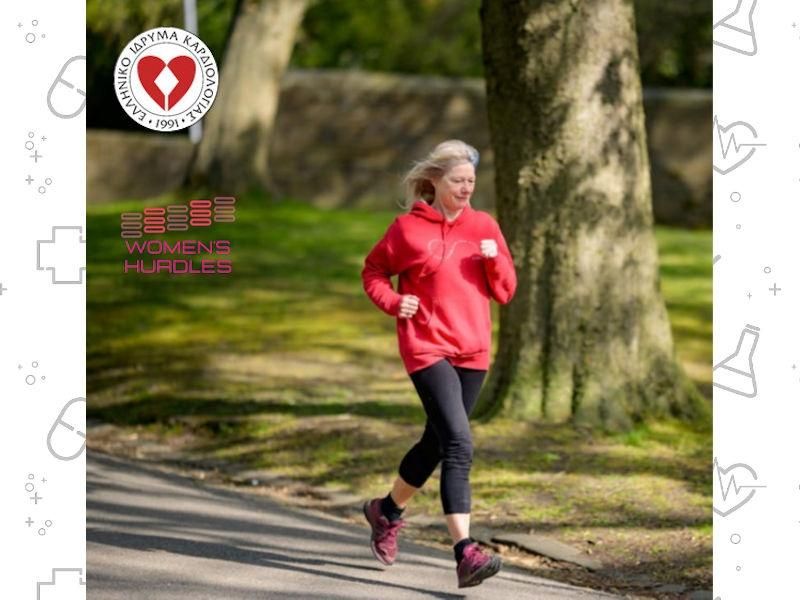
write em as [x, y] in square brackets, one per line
[488, 248]
[409, 304]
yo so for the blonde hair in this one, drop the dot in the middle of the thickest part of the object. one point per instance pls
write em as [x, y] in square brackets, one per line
[445, 156]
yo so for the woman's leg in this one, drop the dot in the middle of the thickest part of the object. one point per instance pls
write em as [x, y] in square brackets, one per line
[471, 382]
[439, 387]
[421, 460]
[417, 466]
[402, 492]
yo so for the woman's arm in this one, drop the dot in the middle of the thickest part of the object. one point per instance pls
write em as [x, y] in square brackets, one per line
[379, 266]
[500, 272]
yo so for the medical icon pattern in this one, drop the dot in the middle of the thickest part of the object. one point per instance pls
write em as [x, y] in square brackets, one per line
[734, 144]
[66, 439]
[31, 31]
[62, 584]
[30, 488]
[33, 485]
[730, 493]
[31, 375]
[42, 325]
[64, 254]
[755, 377]
[37, 174]
[736, 30]
[735, 373]
[66, 97]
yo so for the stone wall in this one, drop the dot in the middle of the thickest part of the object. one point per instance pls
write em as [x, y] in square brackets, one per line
[344, 138]
[122, 165]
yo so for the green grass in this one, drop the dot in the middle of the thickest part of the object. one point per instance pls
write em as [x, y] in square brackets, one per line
[286, 365]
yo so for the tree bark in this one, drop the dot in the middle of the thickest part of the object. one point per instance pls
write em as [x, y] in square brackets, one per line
[587, 338]
[233, 155]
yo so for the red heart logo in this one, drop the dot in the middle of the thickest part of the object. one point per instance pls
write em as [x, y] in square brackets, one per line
[150, 67]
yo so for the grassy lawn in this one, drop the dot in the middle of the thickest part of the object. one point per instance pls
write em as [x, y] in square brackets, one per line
[287, 366]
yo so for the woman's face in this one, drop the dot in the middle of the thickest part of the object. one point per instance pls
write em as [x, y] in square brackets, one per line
[454, 188]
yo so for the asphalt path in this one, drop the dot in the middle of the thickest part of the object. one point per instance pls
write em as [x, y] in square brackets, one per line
[153, 535]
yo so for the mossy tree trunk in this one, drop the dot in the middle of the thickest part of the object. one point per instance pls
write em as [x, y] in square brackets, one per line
[587, 338]
[233, 155]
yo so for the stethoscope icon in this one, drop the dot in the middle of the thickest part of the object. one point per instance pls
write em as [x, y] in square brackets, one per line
[64, 105]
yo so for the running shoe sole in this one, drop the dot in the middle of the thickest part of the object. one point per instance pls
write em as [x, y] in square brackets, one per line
[489, 569]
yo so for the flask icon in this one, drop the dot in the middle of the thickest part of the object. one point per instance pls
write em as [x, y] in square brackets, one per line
[735, 373]
[735, 31]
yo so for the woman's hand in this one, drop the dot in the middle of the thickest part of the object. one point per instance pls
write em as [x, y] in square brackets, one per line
[409, 304]
[489, 248]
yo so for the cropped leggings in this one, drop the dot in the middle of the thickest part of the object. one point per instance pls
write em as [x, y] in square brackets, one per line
[448, 395]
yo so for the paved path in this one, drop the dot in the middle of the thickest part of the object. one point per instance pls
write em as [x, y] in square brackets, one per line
[158, 536]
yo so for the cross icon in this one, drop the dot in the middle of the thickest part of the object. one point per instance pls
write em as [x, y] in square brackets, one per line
[29, 521]
[29, 179]
[44, 480]
[749, 295]
[36, 156]
[2, 289]
[36, 497]
[775, 289]
[64, 254]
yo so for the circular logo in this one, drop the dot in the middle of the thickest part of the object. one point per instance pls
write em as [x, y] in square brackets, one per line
[166, 79]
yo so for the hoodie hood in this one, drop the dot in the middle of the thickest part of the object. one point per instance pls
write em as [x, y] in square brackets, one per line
[425, 211]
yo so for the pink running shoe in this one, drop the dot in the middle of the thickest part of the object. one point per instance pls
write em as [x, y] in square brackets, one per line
[384, 532]
[476, 565]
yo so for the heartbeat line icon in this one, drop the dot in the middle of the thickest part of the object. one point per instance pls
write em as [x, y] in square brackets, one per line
[731, 149]
[732, 137]
[726, 479]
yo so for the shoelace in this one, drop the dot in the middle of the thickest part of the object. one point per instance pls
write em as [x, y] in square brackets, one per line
[473, 554]
[387, 532]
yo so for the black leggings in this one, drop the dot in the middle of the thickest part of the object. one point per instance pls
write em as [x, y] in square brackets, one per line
[448, 395]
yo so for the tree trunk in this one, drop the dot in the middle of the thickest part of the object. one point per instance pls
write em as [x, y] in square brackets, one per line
[587, 338]
[233, 155]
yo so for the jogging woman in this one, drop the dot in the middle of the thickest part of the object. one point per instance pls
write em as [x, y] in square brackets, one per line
[450, 261]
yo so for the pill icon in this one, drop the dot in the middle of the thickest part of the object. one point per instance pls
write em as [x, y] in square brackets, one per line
[67, 437]
[67, 97]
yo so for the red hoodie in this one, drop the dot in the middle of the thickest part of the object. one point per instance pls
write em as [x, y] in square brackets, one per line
[440, 262]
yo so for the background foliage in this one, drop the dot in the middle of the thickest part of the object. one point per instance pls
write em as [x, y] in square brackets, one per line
[440, 37]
